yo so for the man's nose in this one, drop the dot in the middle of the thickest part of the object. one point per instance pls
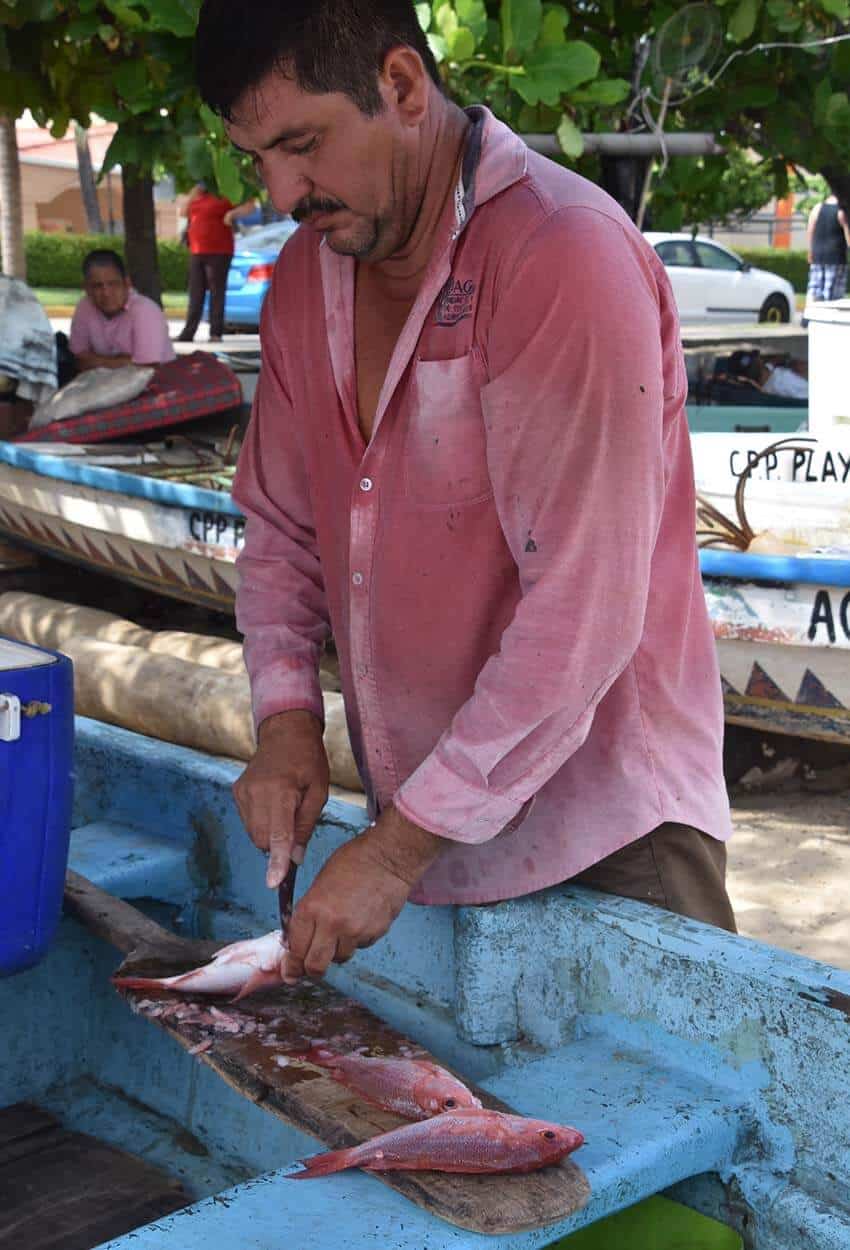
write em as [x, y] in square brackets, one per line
[286, 184]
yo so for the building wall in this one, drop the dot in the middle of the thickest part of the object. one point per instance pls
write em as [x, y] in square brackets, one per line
[53, 202]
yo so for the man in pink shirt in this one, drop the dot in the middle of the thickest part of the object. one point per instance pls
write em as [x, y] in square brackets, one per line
[112, 324]
[468, 460]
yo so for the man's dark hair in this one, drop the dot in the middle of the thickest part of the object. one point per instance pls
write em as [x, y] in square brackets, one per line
[103, 256]
[323, 45]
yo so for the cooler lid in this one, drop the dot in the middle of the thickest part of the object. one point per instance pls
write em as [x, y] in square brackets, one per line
[21, 655]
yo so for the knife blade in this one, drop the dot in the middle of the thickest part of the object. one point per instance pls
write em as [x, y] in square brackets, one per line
[285, 895]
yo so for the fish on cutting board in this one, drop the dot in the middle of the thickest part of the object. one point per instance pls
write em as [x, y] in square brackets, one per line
[467, 1140]
[241, 968]
[415, 1088]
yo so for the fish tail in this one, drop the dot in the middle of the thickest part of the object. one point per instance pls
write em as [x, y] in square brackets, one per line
[326, 1164]
[139, 983]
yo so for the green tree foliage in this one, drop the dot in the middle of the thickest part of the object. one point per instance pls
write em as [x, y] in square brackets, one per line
[527, 60]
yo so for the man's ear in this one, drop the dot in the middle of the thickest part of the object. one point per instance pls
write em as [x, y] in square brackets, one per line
[404, 84]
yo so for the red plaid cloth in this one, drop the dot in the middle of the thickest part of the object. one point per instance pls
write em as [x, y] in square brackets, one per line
[188, 387]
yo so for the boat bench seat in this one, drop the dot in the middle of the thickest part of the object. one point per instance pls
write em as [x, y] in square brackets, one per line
[647, 1126]
[131, 863]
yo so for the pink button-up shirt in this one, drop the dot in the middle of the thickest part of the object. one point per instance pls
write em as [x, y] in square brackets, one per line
[139, 331]
[509, 568]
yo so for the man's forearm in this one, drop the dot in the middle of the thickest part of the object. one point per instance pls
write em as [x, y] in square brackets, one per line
[91, 360]
[404, 848]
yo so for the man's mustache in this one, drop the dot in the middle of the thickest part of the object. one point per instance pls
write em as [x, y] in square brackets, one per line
[314, 207]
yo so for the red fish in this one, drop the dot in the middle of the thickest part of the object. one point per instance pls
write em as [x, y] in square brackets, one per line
[457, 1141]
[414, 1088]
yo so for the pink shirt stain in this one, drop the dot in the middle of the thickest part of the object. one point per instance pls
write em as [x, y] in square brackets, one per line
[509, 568]
[139, 331]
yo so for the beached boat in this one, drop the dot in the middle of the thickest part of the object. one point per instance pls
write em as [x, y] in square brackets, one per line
[697, 1063]
[796, 488]
[782, 627]
[159, 515]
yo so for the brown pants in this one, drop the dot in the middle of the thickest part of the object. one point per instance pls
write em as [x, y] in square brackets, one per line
[675, 867]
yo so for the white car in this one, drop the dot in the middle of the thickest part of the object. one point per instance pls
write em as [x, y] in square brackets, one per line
[711, 283]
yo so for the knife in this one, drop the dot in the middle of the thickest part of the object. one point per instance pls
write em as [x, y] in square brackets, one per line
[285, 894]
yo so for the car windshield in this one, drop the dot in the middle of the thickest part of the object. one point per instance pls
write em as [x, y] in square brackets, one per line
[267, 237]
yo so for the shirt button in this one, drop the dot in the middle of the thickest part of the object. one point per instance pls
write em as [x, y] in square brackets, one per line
[366, 483]
[357, 578]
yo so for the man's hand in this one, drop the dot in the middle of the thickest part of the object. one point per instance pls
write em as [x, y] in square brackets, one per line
[358, 894]
[281, 793]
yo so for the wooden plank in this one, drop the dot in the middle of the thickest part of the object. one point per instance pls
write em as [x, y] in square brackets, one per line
[25, 1130]
[288, 1020]
[79, 1192]
[285, 1020]
[22, 1119]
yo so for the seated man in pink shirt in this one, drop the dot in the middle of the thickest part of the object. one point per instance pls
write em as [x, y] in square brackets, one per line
[468, 461]
[112, 324]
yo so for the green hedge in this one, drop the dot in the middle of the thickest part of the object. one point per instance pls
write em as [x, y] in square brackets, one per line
[788, 264]
[56, 260]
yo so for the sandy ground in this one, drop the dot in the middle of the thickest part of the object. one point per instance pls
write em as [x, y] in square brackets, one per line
[789, 868]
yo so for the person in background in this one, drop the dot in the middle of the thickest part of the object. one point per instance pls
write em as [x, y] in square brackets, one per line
[210, 234]
[828, 236]
[113, 325]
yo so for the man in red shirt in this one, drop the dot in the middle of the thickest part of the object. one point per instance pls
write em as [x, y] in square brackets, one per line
[211, 244]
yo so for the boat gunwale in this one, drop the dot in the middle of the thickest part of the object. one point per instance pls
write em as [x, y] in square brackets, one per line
[116, 481]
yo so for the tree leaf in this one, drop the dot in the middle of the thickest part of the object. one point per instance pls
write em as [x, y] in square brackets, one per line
[570, 138]
[473, 15]
[227, 175]
[173, 15]
[605, 92]
[447, 22]
[423, 15]
[743, 21]
[555, 21]
[437, 44]
[461, 45]
[520, 25]
[786, 14]
[553, 72]
[836, 8]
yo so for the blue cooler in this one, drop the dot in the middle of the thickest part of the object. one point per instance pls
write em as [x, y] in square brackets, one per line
[36, 790]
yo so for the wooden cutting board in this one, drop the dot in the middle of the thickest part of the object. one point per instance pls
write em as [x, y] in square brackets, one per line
[259, 1064]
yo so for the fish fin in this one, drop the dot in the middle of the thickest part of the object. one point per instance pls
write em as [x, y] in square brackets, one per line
[326, 1164]
[258, 980]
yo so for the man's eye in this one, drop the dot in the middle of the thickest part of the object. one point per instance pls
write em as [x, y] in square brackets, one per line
[310, 146]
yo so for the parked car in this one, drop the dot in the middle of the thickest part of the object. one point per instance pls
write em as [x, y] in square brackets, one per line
[250, 273]
[711, 283]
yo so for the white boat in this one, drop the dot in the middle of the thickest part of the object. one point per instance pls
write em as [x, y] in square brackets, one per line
[111, 509]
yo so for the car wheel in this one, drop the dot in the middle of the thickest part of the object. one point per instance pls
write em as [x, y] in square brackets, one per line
[775, 309]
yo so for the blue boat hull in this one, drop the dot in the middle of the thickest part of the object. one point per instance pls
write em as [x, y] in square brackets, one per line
[695, 1061]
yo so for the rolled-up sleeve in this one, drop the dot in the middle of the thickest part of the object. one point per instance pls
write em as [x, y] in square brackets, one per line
[281, 605]
[573, 412]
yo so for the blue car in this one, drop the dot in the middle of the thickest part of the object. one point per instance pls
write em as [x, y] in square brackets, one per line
[250, 273]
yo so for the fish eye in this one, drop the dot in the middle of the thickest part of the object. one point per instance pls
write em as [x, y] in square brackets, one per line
[450, 1102]
[548, 1134]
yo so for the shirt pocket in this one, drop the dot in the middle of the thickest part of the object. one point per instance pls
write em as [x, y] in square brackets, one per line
[445, 450]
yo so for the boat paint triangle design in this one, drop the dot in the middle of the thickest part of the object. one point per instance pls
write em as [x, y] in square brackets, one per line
[814, 693]
[727, 686]
[762, 686]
